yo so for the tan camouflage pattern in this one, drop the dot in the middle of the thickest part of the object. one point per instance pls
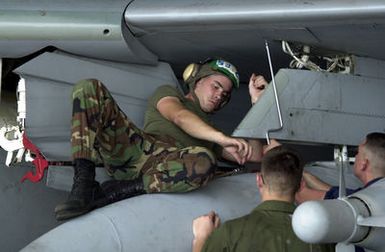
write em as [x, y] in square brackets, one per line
[101, 132]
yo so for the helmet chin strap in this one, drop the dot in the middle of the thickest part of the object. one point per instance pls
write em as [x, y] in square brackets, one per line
[193, 94]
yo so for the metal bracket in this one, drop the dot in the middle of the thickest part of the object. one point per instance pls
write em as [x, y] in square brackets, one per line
[11, 145]
[275, 96]
[341, 159]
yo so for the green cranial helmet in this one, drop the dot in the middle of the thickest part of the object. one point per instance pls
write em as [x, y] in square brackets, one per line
[195, 72]
[227, 69]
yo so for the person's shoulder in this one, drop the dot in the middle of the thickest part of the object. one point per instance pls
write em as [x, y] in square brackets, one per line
[163, 91]
[237, 221]
[333, 192]
[168, 89]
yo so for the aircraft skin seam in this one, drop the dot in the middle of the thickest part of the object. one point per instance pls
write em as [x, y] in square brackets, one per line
[109, 219]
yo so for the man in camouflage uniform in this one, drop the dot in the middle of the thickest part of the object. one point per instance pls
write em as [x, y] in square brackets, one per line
[176, 151]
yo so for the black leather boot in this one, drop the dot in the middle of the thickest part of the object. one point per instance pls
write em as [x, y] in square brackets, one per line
[116, 190]
[85, 190]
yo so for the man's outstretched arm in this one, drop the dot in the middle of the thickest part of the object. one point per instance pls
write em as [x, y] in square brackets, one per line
[258, 150]
[312, 188]
[173, 110]
[315, 183]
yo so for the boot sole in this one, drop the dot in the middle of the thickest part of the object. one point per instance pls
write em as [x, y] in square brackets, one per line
[70, 213]
[70, 205]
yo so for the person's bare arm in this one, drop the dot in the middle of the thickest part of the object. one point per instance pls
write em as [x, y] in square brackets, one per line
[314, 182]
[258, 150]
[173, 110]
[203, 226]
[305, 193]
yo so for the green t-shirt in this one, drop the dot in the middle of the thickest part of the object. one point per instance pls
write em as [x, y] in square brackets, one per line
[156, 124]
[267, 229]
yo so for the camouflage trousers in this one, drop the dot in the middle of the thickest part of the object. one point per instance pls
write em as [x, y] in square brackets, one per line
[101, 132]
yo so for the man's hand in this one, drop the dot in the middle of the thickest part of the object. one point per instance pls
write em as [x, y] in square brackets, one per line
[203, 226]
[257, 85]
[239, 149]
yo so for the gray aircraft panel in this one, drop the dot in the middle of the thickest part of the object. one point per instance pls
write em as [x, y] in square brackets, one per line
[90, 28]
[160, 222]
[318, 107]
[163, 222]
[49, 80]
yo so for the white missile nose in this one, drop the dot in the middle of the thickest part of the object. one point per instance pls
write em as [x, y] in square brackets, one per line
[310, 222]
[323, 221]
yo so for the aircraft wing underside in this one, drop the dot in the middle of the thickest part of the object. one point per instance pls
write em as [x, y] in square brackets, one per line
[180, 32]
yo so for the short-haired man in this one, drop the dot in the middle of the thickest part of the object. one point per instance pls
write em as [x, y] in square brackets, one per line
[369, 167]
[268, 226]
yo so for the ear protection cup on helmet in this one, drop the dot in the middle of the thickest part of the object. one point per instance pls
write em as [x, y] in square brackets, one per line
[190, 72]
